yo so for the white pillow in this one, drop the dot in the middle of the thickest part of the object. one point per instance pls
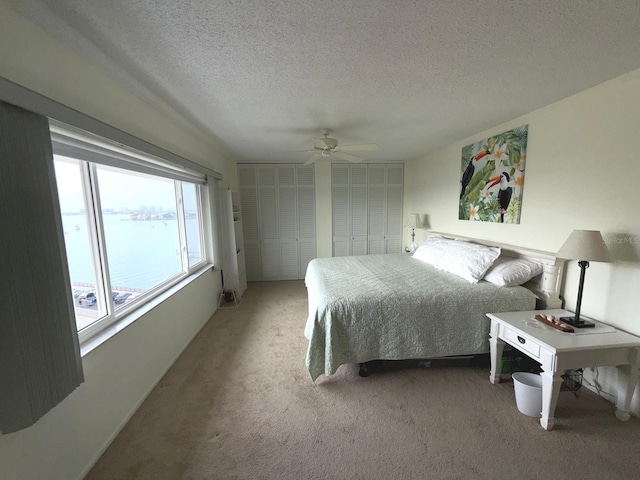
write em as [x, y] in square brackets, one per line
[464, 259]
[509, 272]
[430, 251]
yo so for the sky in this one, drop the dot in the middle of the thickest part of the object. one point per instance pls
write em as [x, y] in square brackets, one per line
[117, 189]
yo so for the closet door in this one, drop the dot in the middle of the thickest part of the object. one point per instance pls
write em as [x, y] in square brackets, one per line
[268, 204]
[287, 223]
[341, 210]
[349, 205]
[248, 186]
[359, 210]
[367, 208]
[278, 205]
[306, 203]
[376, 211]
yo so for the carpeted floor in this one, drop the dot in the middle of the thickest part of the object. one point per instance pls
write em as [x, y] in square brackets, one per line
[239, 404]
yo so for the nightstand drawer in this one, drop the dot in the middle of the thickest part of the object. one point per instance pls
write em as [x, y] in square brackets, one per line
[520, 342]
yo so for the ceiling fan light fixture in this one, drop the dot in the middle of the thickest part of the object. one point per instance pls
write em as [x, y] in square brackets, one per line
[328, 147]
[325, 143]
[331, 143]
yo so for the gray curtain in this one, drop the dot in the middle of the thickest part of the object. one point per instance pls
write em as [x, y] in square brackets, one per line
[40, 360]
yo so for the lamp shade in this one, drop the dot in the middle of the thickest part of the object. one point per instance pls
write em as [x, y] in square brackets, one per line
[414, 221]
[585, 245]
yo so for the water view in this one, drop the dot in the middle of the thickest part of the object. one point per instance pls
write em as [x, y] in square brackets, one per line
[142, 253]
[142, 244]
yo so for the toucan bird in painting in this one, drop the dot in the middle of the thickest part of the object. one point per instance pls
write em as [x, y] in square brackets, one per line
[505, 192]
[467, 175]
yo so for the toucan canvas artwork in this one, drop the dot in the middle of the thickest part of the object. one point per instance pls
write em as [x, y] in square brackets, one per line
[492, 177]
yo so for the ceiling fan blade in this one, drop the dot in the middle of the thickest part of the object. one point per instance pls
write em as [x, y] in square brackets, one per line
[313, 158]
[347, 156]
[290, 152]
[361, 147]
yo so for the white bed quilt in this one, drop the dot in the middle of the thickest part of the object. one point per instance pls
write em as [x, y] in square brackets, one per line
[394, 307]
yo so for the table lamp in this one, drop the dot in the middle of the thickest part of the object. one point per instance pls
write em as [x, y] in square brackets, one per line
[413, 222]
[584, 246]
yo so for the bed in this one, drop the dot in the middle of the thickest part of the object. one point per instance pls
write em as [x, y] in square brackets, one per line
[398, 307]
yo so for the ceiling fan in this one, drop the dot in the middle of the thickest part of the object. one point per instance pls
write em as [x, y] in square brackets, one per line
[326, 147]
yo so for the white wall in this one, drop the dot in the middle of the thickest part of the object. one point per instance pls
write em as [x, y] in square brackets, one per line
[582, 172]
[118, 374]
[31, 58]
[324, 226]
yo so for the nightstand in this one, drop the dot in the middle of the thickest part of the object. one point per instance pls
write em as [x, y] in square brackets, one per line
[557, 351]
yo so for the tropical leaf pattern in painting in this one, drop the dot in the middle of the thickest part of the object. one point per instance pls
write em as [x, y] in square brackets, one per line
[492, 178]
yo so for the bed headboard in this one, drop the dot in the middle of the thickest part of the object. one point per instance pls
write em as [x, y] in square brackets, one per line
[545, 286]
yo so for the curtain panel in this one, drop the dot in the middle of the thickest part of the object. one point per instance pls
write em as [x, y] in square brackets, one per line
[40, 361]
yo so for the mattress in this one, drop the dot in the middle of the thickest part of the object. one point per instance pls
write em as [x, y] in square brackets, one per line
[395, 307]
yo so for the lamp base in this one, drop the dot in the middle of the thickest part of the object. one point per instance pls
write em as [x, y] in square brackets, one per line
[578, 324]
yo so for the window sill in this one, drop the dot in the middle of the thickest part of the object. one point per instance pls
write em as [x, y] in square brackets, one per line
[89, 344]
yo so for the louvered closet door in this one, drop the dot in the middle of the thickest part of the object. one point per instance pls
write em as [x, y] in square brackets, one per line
[269, 243]
[376, 211]
[287, 223]
[248, 186]
[393, 207]
[367, 208]
[306, 202]
[278, 205]
[340, 215]
[359, 210]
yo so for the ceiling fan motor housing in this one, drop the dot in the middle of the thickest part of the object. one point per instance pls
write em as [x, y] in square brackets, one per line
[331, 143]
[328, 147]
[325, 143]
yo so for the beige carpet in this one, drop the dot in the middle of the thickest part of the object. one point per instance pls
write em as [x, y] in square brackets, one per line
[239, 404]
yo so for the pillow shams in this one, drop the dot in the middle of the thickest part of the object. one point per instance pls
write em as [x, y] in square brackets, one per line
[465, 259]
[510, 272]
[430, 251]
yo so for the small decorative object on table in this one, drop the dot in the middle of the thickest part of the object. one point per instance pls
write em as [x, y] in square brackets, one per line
[554, 322]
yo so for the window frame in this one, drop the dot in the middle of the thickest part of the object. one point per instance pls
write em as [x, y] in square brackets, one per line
[200, 209]
[99, 154]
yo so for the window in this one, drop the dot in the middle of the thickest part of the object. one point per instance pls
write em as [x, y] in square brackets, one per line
[131, 230]
[192, 208]
[78, 242]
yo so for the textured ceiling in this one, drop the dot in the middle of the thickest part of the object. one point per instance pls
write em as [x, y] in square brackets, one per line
[263, 77]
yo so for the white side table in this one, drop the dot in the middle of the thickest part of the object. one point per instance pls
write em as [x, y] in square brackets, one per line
[558, 351]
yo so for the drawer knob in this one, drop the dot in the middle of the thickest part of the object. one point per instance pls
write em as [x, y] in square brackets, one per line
[521, 340]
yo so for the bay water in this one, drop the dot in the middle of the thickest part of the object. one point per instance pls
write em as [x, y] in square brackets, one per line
[141, 253]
